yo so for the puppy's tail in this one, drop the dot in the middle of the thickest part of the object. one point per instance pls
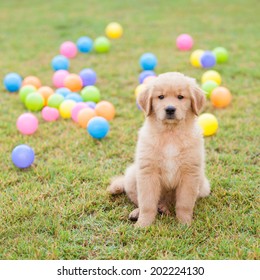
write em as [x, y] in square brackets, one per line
[116, 186]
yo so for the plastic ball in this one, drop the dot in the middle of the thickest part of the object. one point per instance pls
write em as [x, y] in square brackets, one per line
[27, 123]
[106, 110]
[211, 75]
[50, 114]
[139, 89]
[90, 93]
[208, 87]
[221, 54]
[84, 116]
[25, 91]
[66, 108]
[208, 124]
[220, 97]
[195, 58]
[73, 82]
[114, 30]
[85, 44]
[68, 49]
[34, 101]
[45, 92]
[55, 100]
[145, 74]
[184, 42]
[23, 156]
[63, 91]
[102, 45]
[208, 59]
[60, 62]
[148, 61]
[91, 104]
[148, 79]
[98, 127]
[88, 77]
[12, 82]
[76, 110]
[59, 77]
[32, 80]
[74, 96]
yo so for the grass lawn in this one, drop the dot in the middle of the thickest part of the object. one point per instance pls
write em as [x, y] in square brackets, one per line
[59, 208]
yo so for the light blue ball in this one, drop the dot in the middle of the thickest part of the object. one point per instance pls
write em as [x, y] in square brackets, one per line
[12, 82]
[208, 59]
[60, 62]
[148, 61]
[23, 156]
[98, 127]
[63, 91]
[85, 44]
[74, 96]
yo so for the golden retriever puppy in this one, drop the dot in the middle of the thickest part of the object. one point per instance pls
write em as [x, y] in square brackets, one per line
[169, 159]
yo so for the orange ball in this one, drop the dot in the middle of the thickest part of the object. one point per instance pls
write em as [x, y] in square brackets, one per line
[45, 92]
[73, 82]
[106, 110]
[220, 97]
[148, 79]
[33, 81]
[84, 116]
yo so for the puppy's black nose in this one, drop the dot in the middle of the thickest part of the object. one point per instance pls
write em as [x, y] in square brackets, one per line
[170, 110]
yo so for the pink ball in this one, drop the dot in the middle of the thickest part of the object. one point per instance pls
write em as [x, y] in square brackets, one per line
[50, 114]
[27, 123]
[184, 42]
[76, 109]
[59, 77]
[68, 49]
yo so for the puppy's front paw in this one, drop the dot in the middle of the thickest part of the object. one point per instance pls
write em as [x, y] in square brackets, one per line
[141, 223]
[133, 216]
[184, 218]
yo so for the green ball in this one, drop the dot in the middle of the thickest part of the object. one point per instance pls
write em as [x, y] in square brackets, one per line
[208, 87]
[221, 54]
[34, 101]
[90, 93]
[55, 100]
[102, 45]
[25, 91]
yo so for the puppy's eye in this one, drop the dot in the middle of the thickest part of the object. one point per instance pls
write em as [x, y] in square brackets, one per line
[180, 97]
[161, 96]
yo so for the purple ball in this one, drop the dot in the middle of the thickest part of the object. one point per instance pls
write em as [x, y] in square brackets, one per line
[208, 59]
[88, 77]
[23, 156]
[91, 104]
[145, 74]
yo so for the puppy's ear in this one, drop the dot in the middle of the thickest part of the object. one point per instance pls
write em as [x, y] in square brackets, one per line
[198, 99]
[144, 100]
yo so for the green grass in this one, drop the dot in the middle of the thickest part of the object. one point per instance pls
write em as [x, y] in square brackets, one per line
[59, 208]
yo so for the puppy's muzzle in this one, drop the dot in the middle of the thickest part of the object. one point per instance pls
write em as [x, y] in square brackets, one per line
[170, 112]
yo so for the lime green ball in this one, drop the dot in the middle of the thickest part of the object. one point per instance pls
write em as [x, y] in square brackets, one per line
[102, 45]
[55, 100]
[90, 93]
[221, 54]
[34, 101]
[208, 87]
[25, 91]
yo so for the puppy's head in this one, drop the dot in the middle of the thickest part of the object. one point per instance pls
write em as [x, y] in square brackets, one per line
[171, 97]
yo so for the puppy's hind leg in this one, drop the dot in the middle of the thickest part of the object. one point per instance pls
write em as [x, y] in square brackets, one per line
[204, 189]
[117, 185]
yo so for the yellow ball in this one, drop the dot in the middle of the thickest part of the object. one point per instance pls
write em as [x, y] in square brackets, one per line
[66, 107]
[211, 75]
[195, 58]
[208, 124]
[114, 30]
[139, 88]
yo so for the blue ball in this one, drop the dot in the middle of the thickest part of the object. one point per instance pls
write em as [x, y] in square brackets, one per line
[145, 74]
[148, 61]
[88, 77]
[74, 96]
[22, 156]
[98, 127]
[63, 91]
[12, 82]
[91, 104]
[85, 44]
[208, 59]
[60, 62]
